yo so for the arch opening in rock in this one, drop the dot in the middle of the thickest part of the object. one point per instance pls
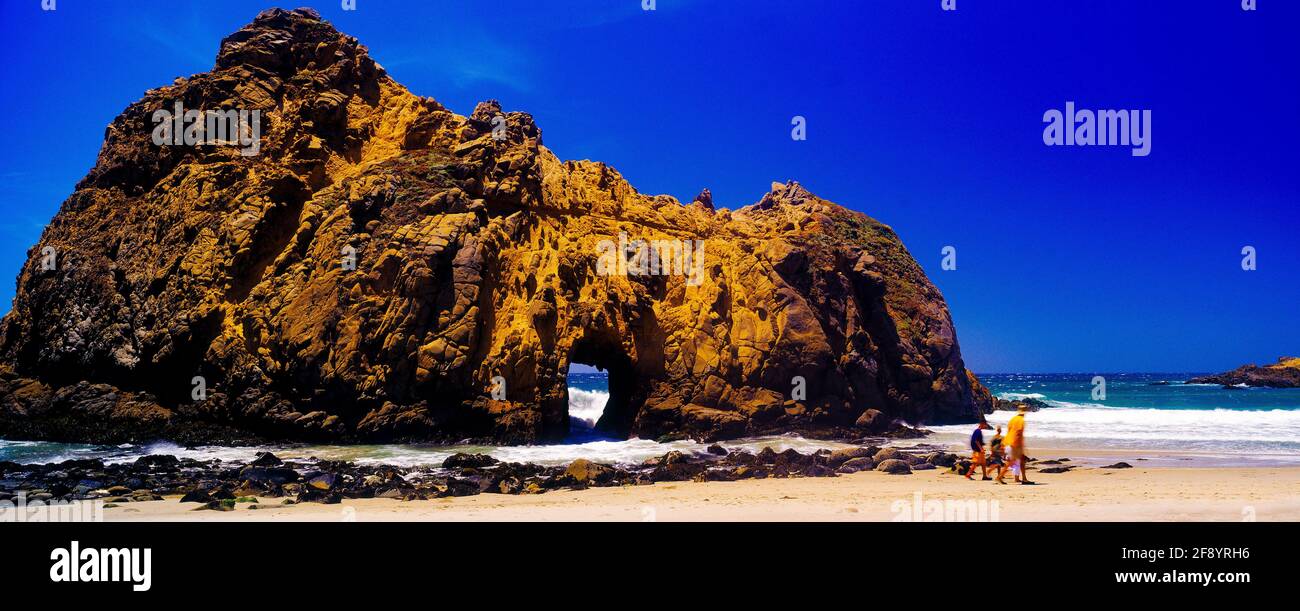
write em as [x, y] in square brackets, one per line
[588, 392]
[617, 412]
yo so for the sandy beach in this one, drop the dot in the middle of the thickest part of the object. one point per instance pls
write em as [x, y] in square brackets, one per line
[1086, 494]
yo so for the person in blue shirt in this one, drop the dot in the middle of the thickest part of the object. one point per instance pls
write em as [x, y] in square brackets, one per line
[977, 451]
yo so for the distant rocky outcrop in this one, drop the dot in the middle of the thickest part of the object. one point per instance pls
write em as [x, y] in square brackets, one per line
[1031, 404]
[1285, 373]
[383, 269]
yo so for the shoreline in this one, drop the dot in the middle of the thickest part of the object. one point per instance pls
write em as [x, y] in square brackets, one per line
[1082, 495]
[847, 484]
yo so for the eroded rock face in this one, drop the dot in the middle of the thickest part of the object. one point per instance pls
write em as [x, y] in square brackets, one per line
[478, 268]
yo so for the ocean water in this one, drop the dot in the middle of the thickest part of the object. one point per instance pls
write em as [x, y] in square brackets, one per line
[588, 393]
[1165, 423]
[1153, 413]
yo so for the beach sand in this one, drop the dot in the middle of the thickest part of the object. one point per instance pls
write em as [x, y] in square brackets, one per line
[1086, 494]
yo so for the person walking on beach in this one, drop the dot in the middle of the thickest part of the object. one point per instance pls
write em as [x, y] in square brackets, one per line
[996, 451]
[1015, 443]
[977, 451]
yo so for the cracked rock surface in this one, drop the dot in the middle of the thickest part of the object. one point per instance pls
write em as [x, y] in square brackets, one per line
[387, 270]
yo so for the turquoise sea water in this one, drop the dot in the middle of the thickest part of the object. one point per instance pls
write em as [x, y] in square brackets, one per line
[1138, 414]
[1153, 412]
[1165, 391]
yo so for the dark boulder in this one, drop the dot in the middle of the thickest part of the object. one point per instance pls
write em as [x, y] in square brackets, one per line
[839, 457]
[888, 454]
[872, 421]
[942, 459]
[862, 463]
[266, 459]
[156, 461]
[270, 475]
[583, 472]
[322, 480]
[460, 487]
[460, 460]
[894, 466]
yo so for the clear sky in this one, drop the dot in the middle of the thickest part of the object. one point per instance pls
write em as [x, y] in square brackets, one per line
[1069, 259]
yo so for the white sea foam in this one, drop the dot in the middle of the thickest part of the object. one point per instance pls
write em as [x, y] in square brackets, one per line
[1020, 396]
[637, 450]
[586, 406]
[1241, 433]
[1237, 436]
[610, 451]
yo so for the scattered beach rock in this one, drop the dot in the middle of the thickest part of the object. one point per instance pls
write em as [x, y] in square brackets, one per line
[863, 463]
[888, 454]
[1119, 465]
[583, 471]
[458, 460]
[266, 459]
[841, 456]
[942, 459]
[1030, 404]
[268, 475]
[872, 421]
[197, 496]
[157, 461]
[218, 485]
[894, 466]
[222, 505]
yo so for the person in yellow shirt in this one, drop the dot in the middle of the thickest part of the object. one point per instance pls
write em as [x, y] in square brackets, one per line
[1014, 442]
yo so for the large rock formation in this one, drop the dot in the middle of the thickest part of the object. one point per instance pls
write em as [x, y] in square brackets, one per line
[481, 273]
[1285, 373]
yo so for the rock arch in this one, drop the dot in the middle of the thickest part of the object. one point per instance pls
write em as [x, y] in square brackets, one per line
[477, 258]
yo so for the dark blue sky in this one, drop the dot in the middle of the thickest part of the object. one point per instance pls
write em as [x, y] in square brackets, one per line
[1079, 259]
